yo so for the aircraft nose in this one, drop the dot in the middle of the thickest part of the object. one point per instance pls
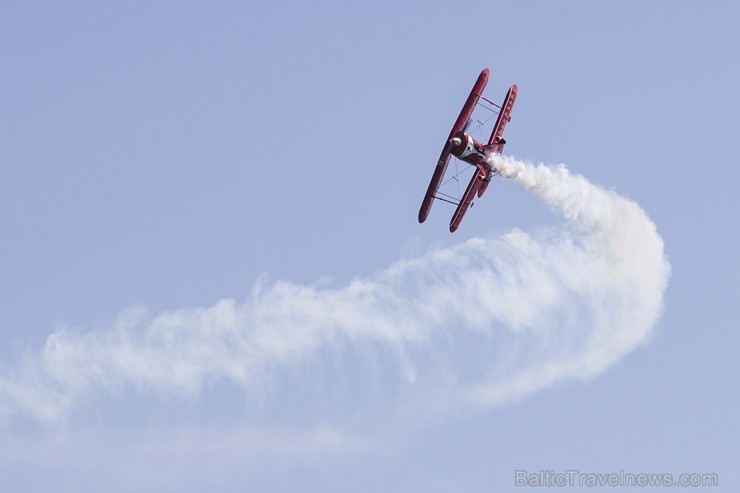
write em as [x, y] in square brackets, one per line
[455, 141]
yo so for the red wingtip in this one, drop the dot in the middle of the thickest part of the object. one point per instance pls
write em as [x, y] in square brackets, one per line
[483, 77]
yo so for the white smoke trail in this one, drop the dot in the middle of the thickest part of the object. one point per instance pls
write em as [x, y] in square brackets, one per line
[477, 324]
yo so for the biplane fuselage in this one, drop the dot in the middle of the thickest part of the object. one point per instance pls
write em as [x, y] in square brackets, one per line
[466, 148]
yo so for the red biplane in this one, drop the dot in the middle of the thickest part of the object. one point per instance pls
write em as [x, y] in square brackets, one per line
[467, 149]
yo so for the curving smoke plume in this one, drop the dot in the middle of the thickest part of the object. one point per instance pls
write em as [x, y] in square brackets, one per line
[474, 325]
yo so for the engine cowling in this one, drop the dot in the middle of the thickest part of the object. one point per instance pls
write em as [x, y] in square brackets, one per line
[466, 148]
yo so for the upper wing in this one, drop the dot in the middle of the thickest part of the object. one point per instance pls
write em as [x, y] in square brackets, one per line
[470, 103]
[467, 200]
[444, 158]
[504, 117]
[439, 173]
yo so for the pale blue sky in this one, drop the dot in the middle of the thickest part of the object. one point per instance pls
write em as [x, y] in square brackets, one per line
[168, 154]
